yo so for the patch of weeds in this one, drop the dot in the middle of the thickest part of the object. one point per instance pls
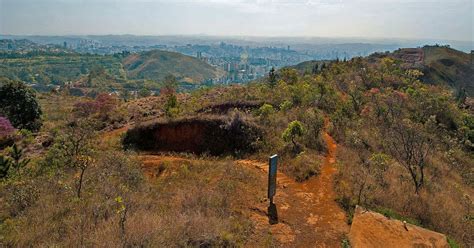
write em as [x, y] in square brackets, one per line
[345, 243]
[394, 215]
[452, 243]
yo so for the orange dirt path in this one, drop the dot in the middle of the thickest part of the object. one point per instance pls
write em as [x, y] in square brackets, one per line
[308, 213]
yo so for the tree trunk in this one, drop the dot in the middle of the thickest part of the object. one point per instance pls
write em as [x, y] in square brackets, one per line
[79, 187]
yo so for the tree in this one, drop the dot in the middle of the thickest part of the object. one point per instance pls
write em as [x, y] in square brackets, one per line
[16, 154]
[170, 85]
[295, 129]
[169, 90]
[290, 76]
[410, 146]
[272, 77]
[18, 103]
[15, 160]
[76, 147]
[144, 92]
[171, 105]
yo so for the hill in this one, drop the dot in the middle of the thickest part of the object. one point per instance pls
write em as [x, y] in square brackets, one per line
[441, 65]
[309, 66]
[365, 132]
[452, 67]
[156, 65]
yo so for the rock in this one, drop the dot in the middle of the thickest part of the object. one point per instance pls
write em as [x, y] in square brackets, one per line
[371, 229]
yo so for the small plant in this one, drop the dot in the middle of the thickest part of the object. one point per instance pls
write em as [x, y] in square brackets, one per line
[265, 111]
[295, 129]
[286, 105]
[16, 154]
[6, 128]
[171, 106]
[14, 161]
[452, 243]
[345, 243]
[5, 164]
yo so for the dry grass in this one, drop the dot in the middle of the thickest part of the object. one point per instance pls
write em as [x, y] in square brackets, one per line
[198, 203]
[443, 204]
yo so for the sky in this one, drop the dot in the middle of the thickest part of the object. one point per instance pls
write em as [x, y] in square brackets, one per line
[411, 19]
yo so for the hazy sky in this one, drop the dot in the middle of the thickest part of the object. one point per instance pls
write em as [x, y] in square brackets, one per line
[439, 19]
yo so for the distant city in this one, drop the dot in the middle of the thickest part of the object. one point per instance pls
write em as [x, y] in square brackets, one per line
[243, 60]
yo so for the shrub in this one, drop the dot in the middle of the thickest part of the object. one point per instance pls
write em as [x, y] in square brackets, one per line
[18, 103]
[6, 128]
[303, 167]
[286, 105]
[295, 129]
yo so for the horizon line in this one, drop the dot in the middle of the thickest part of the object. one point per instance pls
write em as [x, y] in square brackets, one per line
[247, 36]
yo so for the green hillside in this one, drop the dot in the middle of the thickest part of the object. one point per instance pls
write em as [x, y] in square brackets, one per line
[56, 68]
[441, 65]
[450, 67]
[309, 66]
[156, 65]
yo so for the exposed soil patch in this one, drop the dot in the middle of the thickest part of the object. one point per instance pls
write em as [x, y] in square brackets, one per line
[213, 135]
[371, 229]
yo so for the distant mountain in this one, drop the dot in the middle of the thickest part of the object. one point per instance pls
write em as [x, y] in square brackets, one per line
[156, 65]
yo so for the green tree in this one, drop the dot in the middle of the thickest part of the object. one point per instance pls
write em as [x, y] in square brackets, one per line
[171, 106]
[144, 92]
[272, 77]
[17, 154]
[75, 147]
[295, 129]
[18, 103]
[170, 85]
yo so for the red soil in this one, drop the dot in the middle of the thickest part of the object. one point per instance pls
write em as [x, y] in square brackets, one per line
[308, 213]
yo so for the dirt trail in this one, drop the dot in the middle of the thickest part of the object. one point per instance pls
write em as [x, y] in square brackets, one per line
[308, 213]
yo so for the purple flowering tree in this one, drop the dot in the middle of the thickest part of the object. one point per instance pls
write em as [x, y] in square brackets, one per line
[6, 127]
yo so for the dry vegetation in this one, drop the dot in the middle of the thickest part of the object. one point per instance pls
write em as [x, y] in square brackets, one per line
[405, 149]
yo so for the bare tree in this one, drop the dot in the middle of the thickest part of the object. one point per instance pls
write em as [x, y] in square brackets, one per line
[410, 146]
[77, 148]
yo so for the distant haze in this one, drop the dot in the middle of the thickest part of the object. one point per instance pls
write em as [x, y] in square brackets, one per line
[414, 19]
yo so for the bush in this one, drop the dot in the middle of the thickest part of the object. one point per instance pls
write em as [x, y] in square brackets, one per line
[302, 167]
[6, 128]
[295, 129]
[18, 103]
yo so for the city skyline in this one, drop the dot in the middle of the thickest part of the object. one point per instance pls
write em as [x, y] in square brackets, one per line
[403, 19]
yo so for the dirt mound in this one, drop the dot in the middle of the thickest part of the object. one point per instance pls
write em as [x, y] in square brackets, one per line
[371, 229]
[213, 135]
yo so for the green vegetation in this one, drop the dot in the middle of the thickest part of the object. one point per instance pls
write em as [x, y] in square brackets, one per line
[18, 103]
[295, 129]
[157, 65]
[393, 215]
[58, 68]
